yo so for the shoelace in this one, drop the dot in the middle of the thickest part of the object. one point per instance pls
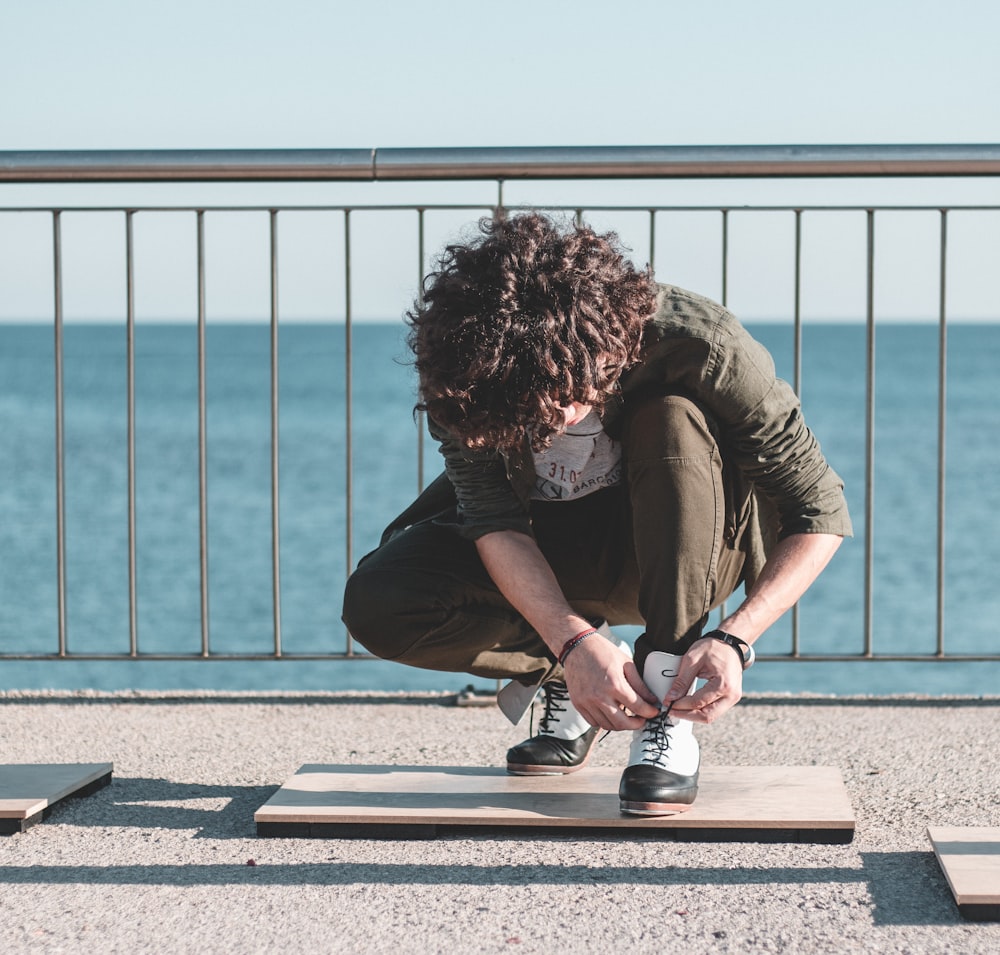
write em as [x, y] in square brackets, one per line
[555, 695]
[656, 739]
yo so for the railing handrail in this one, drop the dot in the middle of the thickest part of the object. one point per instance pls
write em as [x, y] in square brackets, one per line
[498, 162]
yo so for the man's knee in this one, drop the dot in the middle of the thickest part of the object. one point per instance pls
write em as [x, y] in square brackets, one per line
[668, 426]
[372, 609]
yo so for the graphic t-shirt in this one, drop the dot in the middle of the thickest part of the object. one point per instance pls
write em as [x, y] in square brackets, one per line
[582, 459]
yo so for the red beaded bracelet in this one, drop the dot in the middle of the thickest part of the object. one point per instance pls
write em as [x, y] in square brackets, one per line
[570, 645]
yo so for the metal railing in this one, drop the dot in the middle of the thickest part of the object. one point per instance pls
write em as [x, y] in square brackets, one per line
[499, 165]
[566, 162]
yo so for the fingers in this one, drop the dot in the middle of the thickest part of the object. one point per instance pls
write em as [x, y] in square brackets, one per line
[622, 711]
[708, 704]
[606, 688]
[682, 682]
[607, 717]
[623, 707]
[722, 690]
[644, 702]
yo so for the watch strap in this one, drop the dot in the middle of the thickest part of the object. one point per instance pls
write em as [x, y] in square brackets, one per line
[742, 648]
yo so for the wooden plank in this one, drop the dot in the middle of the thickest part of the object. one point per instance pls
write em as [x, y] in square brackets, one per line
[769, 802]
[970, 860]
[28, 791]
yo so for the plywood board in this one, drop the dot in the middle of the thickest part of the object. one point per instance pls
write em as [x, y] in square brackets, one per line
[29, 790]
[970, 859]
[741, 803]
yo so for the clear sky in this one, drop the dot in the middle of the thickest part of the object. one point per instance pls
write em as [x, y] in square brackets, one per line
[131, 74]
[245, 73]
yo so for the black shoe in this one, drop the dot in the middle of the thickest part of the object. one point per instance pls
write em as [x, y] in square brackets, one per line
[647, 790]
[563, 742]
[662, 773]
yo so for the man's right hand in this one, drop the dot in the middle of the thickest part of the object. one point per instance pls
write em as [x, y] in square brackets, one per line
[605, 687]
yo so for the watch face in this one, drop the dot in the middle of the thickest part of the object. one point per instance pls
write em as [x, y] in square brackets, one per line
[745, 650]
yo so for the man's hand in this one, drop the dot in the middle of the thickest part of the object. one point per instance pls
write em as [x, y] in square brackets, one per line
[605, 686]
[713, 661]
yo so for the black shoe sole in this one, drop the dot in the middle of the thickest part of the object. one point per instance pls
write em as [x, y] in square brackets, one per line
[523, 769]
[654, 808]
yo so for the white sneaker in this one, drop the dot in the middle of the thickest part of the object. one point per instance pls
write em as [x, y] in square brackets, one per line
[662, 772]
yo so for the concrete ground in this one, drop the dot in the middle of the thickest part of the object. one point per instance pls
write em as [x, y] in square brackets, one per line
[166, 859]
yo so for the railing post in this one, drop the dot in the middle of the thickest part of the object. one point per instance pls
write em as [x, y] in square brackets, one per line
[202, 443]
[797, 378]
[725, 258]
[348, 409]
[275, 442]
[652, 239]
[942, 430]
[133, 611]
[869, 433]
[420, 299]
[723, 609]
[60, 442]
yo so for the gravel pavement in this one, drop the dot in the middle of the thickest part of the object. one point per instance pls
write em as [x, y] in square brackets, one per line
[166, 859]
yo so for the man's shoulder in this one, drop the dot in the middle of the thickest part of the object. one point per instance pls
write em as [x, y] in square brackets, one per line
[681, 313]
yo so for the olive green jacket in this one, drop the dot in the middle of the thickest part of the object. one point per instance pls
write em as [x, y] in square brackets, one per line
[778, 481]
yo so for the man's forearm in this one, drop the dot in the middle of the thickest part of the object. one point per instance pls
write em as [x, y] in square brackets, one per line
[791, 567]
[604, 684]
[524, 577]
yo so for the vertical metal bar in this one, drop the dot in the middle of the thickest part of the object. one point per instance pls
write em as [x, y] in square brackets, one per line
[723, 611]
[725, 257]
[348, 407]
[275, 442]
[869, 435]
[60, 443]
[133, 616]
[500, 207]
[797, 353]
[798, 303]
[579, 217]
[420, 299]
[942, 426]
[202, 442]
[652, 239]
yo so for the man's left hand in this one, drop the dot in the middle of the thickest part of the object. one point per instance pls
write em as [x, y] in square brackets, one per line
[712, 661]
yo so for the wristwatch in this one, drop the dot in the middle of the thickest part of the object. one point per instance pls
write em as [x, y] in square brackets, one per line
[745, 651]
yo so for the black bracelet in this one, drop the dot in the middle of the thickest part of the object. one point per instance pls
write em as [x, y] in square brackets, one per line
[743, 649]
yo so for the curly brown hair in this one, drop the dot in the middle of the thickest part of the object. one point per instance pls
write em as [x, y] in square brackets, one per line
[528, 317]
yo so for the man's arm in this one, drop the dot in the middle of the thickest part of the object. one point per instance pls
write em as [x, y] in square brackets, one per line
[792, 566]
[599, 678]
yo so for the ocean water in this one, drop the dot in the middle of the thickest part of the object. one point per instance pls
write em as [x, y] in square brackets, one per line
[314, 526]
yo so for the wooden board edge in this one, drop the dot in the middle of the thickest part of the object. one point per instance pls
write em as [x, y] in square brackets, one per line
[378, 831]
[974, 911]
[28, 808]
[13, 824]
[980, 912]
[279, 814]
